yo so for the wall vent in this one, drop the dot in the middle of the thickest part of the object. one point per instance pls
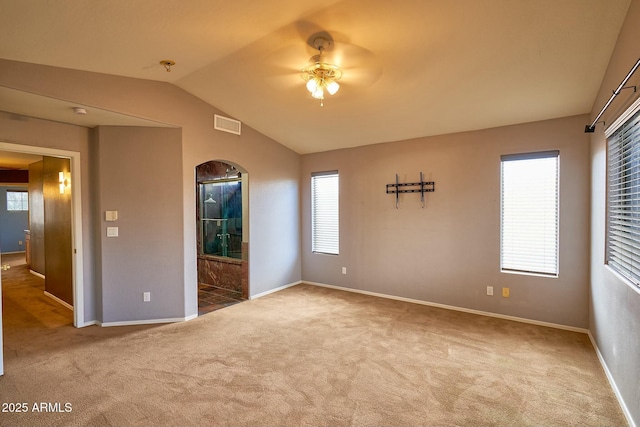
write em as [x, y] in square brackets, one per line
[226, 124]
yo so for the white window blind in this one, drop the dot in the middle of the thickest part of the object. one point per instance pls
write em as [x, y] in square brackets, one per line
[529, 208]
[623, 205]
[325, 231]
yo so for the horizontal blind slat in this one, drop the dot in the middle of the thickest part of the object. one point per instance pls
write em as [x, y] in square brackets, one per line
[623, 201]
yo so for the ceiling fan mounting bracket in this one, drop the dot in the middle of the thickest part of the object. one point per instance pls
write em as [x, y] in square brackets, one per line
[322, 44]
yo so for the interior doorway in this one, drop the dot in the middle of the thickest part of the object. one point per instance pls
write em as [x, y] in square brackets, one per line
[71, 179]
[222, 221]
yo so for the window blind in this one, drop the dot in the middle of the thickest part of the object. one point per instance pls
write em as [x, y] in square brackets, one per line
[529, 213]
[325, 230]
[623, 204]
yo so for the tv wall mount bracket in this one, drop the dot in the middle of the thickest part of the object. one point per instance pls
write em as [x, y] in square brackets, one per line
[411, 187]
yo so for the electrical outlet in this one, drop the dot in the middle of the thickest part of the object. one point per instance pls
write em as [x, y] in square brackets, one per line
[505, 292]
[146, 296]
[344, 270]
[19, 242]
[490, 290]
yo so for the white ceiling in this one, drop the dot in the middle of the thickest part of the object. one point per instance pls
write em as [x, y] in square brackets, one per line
[412, 68]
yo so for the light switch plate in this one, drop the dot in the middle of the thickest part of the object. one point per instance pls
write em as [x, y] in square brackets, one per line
[111, 215]
[112, 231]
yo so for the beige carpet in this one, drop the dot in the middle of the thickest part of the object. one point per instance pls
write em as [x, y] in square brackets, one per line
[305, 356]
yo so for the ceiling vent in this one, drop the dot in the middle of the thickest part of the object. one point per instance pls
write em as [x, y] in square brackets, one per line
[226, 124]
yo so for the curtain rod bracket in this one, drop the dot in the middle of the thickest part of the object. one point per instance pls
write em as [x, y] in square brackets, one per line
[617, 92]
[591, 128]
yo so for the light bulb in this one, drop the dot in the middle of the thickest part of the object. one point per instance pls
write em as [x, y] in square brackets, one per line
[312, 84]
[318, 93]
[333, 87]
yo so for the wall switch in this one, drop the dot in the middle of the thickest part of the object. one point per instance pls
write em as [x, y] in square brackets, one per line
[146, 296]
[505, 292]
[344, 270]
[111, 215]
[112, 231]
[490, 290]
[19, 242]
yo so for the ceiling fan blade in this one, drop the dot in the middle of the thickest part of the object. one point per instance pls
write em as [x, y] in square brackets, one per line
[359, 76]
[282, 68]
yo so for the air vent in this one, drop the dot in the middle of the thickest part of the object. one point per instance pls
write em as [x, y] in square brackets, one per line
[226, 124]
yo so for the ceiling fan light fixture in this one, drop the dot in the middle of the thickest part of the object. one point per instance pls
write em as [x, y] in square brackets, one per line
[321, 76]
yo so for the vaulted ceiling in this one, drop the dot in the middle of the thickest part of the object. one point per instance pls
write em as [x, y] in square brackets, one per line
[412, 68]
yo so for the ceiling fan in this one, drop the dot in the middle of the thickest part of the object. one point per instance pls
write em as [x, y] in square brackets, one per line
[321, 76]
[334, 63]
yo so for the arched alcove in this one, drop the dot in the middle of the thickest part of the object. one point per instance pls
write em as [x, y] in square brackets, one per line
[222, 217]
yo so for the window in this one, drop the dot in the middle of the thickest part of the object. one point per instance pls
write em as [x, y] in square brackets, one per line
[324, 212]
[623, 199]
[529, 205]
[17, 200]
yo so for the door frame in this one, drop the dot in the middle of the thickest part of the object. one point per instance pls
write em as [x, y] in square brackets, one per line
[76, 228]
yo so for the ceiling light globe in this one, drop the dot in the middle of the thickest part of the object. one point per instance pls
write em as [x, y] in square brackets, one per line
[312, 84]
[332, 87]
[318, 93]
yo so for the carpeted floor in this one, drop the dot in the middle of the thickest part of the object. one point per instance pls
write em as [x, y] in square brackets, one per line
[305, 356]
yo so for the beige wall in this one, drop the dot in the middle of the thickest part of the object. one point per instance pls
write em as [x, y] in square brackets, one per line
[615, 303]
[52, 135]
[449, 252]
[137, 170]
[274, 225]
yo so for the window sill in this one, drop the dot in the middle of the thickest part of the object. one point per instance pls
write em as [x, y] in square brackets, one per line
[526, 273]
[623, 279]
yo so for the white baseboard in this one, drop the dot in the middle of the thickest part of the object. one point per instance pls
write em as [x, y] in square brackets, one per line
[452, 307]
[58, 300]
[276, 289]
[146, 322]
[184, 319]
[612, 382]
[138, 322]
[35, 273]
[89, 323]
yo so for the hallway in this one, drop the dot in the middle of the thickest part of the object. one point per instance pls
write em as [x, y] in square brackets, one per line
[26, 310]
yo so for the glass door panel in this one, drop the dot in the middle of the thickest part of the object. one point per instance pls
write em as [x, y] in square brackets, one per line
[221, 218]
